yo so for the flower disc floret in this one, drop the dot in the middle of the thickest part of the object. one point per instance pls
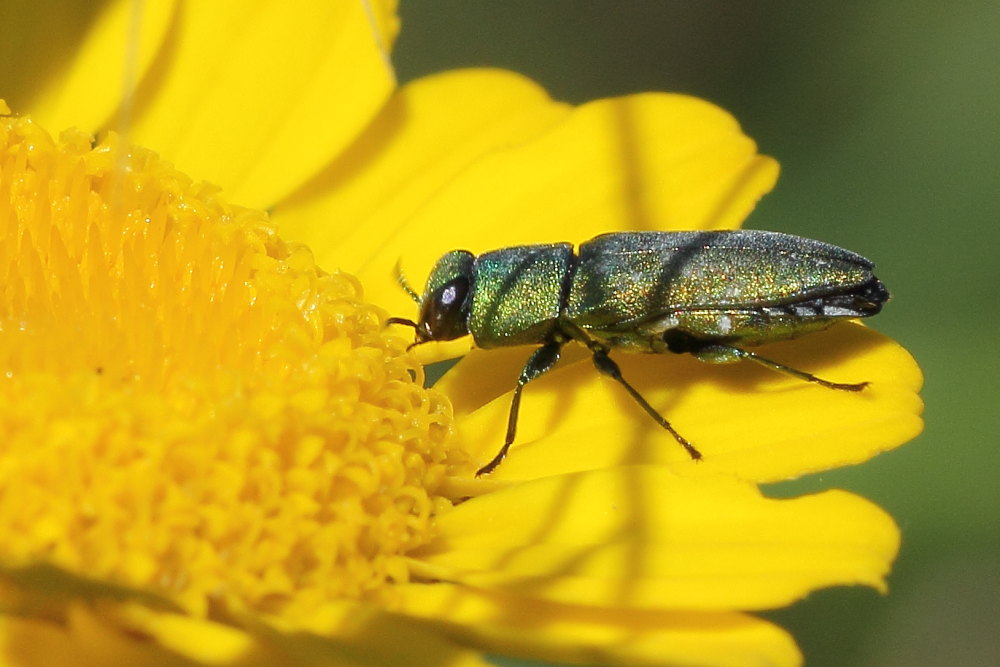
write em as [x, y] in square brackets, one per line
[189, 405]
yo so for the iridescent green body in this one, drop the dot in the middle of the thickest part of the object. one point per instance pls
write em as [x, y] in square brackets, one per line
[628, 289]
[740, 287]
[518, 294]
[705, 293]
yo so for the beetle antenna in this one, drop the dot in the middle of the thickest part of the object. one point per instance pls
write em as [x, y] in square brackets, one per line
[401, 279]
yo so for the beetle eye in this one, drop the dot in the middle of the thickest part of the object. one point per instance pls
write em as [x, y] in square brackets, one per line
[448, 295]
[445, 316]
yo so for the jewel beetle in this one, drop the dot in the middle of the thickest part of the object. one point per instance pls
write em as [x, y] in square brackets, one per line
[709, 294]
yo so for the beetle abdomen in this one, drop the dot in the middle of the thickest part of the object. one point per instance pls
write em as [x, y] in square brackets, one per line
[747, 286]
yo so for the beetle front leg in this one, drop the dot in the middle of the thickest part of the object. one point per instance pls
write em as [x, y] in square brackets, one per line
[719, 352]
[541, 361]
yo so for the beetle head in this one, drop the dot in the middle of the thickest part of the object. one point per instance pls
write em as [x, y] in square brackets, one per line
[446, 301]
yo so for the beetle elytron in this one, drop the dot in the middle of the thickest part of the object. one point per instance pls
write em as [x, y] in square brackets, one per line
[705, 293]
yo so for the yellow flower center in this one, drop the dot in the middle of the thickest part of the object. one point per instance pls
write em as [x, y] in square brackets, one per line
[187, 404]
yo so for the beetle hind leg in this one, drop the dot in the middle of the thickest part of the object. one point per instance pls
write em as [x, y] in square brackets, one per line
[729, 352]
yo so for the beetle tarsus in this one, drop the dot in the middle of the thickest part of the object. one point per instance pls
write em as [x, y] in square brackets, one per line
[497, 460]
[843, 386]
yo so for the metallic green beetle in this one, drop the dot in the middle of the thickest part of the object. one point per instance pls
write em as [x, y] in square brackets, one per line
[705, 293]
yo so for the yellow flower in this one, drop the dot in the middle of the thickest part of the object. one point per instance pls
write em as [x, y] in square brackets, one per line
[214, 452]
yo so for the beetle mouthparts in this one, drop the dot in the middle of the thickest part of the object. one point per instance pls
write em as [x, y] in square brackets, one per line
[401, 320]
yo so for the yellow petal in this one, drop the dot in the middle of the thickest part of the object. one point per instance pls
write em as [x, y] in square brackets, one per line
[608, 636]
[79, 637]
[257, 99]
[651, 161]
[111, 639]
[37, 587]
[83, 85]
[644, 537]
[93, 622]
[370, 635]
[27, 642]
[746, 420]
[430, 130]
[362, 636]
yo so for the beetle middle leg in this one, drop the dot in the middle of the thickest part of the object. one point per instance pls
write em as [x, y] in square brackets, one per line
[541, 361]
[607, 366]
[718, 352]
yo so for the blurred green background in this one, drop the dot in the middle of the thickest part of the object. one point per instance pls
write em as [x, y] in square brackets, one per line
[885, 117]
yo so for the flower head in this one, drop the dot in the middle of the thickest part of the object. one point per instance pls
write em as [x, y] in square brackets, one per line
[214, 450]
[192, 407]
